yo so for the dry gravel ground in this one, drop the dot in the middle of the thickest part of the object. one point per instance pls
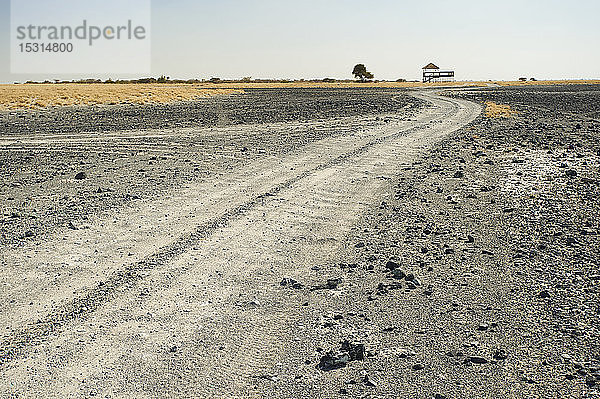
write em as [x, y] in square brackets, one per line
[378, 249]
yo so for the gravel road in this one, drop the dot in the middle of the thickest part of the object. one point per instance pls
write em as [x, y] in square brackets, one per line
[181, 294]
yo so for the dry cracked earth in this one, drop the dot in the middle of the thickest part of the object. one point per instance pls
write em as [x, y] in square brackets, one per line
[301, 243]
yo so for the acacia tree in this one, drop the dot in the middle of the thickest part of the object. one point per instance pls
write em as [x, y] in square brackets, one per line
[360, 72]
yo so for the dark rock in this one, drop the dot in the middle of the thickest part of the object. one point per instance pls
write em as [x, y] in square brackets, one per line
[392, 265]
[356, 351]
[544, 294]
[477, 360]
[500, 354]
[459, 174]
[418, 366]
[80, 176]
[571, 173]
[454, 353]
[349, 352]
[333, 283]
[470, 239]
[329, 361]
[483, 327]
[290, 282]
[398, 274]
[428, 291]
[28, 234]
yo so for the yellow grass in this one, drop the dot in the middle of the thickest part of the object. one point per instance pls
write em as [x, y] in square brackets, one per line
[493, 110]
[51, 95]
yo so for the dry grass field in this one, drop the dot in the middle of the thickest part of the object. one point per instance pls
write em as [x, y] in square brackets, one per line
[49, 95]
[32, 96]
[493, 110]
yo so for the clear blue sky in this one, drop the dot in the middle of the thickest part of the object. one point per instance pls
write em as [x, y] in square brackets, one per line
[546, 39]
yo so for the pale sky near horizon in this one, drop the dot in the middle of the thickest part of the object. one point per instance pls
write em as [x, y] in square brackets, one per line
[480, 40]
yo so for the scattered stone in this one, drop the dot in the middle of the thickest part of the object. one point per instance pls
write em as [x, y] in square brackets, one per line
[418, 366]
[571, 173]
[455, 353]
[384, 288]
[429, 290]
[470, 239]
[28, 234]
[544, 294]
[459, 174]
[500, 354]
[590, 381]
[349, 352]
[290, 282]
[80, 176]
[368, 382]
[72, 226]
[483, 327]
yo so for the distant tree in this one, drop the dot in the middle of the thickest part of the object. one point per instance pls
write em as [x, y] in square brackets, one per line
[360, 72]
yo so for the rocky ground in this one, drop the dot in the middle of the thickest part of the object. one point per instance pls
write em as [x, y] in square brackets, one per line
[480, 269]
[475, 275]
[60, 166]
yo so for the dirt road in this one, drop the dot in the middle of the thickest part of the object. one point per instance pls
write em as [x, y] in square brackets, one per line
[181, 296]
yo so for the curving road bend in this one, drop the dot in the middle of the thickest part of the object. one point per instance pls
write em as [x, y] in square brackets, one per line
[181, 296]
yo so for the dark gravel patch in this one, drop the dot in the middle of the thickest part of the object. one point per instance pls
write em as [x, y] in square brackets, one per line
[506, 256]
[254, 106]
